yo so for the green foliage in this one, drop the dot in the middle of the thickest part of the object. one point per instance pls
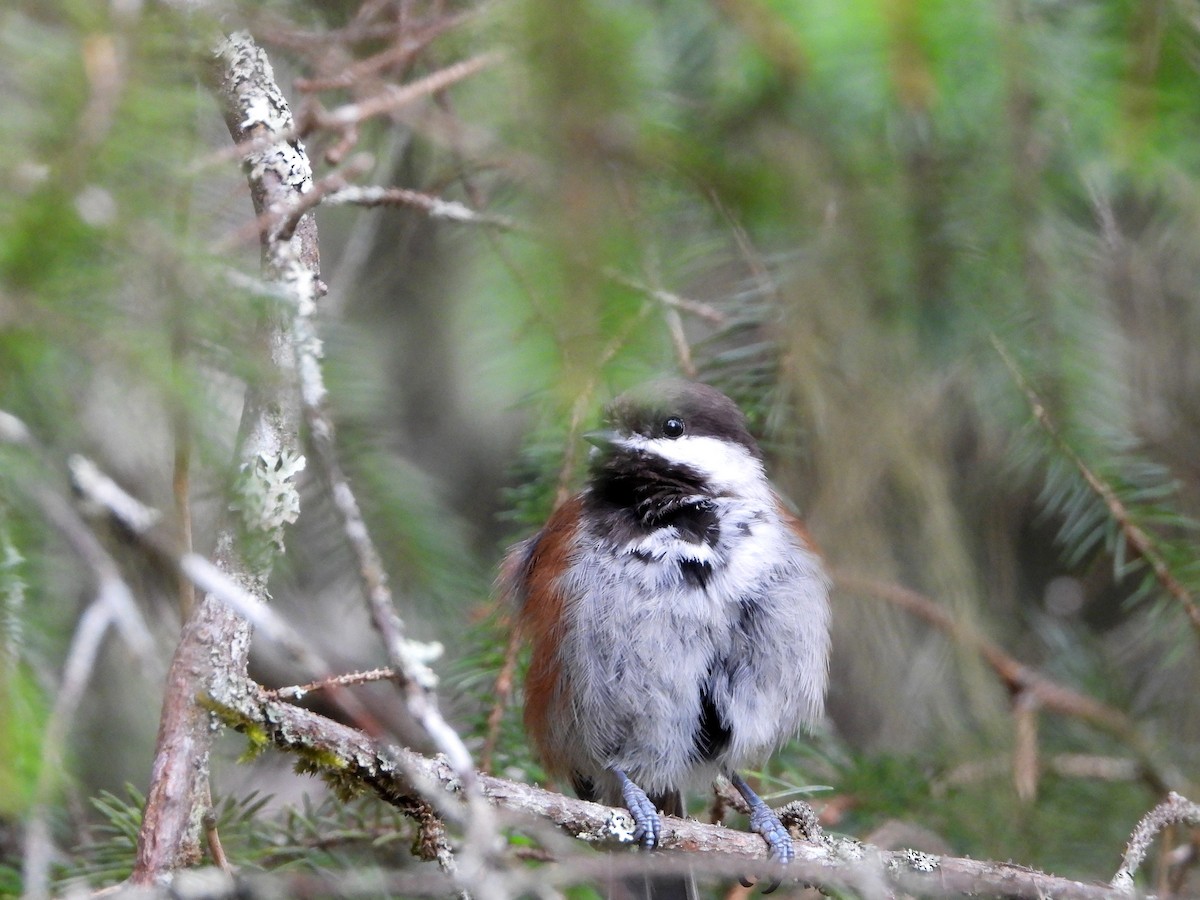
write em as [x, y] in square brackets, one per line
[23, 713]
[318, 836]
[108, 859]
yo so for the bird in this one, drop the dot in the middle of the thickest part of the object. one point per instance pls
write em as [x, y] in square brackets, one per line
[677, 612]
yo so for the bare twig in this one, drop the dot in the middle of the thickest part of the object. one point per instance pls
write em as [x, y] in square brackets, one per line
[144, 523]
[583, 400]
[213, 838]
[298, 691]
[502, 693]
[453, 211]
[701, 310]
[280, 220]
[181, 473]
[389, 100]
[1026, 763]
[113, 603]
[396, 97]
[1019, 678]
[1172, 811]
[396, 55]
[434, 207]
[113, 606]
[409, 659]
[1141, 542]
[1065, 765]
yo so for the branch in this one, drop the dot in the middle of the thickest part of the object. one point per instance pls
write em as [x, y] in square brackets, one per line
[144, 525]
[215, 641]
[350, 115]
[1175, 810]
[334, 191]
[432, 206]
[280, 182]
[1137, 538]
[348, 758]
[409, 659]
[1020, 679]
[112, 606]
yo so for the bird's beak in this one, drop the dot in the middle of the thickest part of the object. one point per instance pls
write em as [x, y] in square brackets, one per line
[604, 439]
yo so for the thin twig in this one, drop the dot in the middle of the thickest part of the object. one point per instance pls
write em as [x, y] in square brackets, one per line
[710, 314]
[181, 466]
[112, 606]
[213, 839]
[502, 693]
[1137, 538]
[298, 691]
[1018, 677]
[396, 55]
[409, 659]
[349, 115]
[1174, 810]
[434, 207]
[583, 401]
[279, 221]
[144, 523]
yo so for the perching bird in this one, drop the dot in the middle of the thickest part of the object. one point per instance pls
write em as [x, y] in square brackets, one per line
[677, 610]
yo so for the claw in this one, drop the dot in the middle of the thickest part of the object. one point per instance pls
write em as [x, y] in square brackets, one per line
[747, 883]
[763, 821]
[647, 826]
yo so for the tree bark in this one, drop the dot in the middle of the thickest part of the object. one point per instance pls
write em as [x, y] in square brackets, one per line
[215, 642]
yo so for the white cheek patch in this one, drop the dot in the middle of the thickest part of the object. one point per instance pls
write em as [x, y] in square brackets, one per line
[728, 466]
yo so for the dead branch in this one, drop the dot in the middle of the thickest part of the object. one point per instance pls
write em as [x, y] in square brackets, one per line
[298, 691]
[215, 641]
[351, 115]
[434, 207]
[349, 757]
[112, 607]
[502, 691]
[398, 55]
[453, 211]
[1020, 679]
[291, 259]
[1174, 810]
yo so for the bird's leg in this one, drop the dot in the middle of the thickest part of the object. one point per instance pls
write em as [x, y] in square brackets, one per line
[647, 827]
[764, 821]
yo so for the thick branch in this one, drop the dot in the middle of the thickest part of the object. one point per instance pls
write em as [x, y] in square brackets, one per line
[215, 642]
[348, 758]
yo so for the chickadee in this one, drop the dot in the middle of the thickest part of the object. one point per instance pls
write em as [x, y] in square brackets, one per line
[677, 610]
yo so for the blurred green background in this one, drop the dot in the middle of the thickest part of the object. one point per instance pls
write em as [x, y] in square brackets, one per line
[844, 214]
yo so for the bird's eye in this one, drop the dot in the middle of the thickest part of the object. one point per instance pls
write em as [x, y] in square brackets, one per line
[673, 427]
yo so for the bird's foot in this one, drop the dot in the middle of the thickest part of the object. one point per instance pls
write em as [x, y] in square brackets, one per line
[647, 826]
[763, 821]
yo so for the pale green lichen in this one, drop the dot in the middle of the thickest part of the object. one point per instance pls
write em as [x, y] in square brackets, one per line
[267, 499]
